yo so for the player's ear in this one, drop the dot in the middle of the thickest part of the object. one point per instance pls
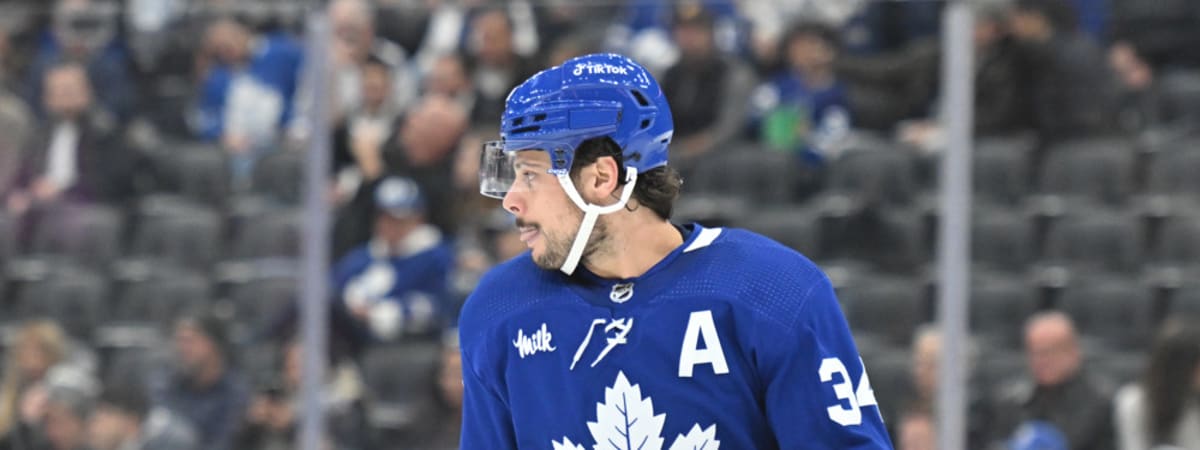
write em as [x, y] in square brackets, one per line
[600, 179]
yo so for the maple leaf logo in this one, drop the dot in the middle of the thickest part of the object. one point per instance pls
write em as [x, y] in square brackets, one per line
[626, 421]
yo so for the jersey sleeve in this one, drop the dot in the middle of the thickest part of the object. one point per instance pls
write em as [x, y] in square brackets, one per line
[487, 421]
[818, 395]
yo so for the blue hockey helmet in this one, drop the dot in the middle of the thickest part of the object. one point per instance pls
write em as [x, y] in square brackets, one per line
[597, 95]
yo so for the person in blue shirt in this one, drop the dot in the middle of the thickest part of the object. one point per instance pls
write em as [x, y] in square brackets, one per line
[204, 388]
[804, 108]
[397, 284]
[247, 90]
[621, 330]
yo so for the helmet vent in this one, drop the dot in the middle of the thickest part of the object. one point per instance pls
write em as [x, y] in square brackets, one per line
[518, 121]
[645, 123]
[528, 129]
[641, 99]
[539, 117]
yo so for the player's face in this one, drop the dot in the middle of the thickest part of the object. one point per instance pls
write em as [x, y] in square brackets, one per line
[546, 217]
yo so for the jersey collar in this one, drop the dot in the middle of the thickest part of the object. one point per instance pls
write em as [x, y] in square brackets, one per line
[608, 292]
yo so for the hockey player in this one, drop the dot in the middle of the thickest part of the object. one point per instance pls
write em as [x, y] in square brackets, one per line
[620, 330]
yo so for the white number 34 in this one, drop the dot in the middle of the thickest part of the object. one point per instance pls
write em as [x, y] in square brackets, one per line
[857, 399]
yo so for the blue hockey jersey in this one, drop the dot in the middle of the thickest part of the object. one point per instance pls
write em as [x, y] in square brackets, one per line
[732, 341]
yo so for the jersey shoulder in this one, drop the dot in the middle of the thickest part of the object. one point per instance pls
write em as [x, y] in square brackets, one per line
[510, 287]
[773, 281]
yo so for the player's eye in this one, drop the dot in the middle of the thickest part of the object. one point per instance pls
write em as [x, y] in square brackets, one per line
[527, 175]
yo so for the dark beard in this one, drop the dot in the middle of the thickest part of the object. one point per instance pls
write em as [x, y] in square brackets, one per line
[557, 249]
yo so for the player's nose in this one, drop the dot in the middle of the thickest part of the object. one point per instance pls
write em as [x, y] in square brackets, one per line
[513, 203]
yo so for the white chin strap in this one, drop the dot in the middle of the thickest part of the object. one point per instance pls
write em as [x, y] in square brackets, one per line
[590, 214]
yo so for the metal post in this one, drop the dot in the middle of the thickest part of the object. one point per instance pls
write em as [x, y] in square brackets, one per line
[958, 74]
[315, 247]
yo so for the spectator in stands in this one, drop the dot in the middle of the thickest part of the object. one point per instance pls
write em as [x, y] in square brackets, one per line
[76, 154]
[919, 406]
[1001, 107]
[424, 150]
[359, 138]
[443, 424]
[37, 348]
[85, 32]
[246, 90]
[643, 30]
[448, 77]
[1163, 408]
[707, 91]
[1002, 104]
[1073, 92]
[15, 119]
[354, 43]
[1141, 103]
[67, 408]
[804, 108]
[1060, 392]
[204, 389]
[496, 66]
[271, 421]
[397, 283]
[916, 432]
[124, 420]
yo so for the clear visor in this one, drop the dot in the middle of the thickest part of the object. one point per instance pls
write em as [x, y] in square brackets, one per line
[498, 168]
[496, 172]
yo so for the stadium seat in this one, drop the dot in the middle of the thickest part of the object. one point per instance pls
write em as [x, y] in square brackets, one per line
[996, 368]
[400, 381]
[1173, 173]
[1001, 168]
[711, 209]
[1185, 301]
[889, 240]
[794, 227]
[1117, 368]
[268, 233]
[78, 234]
[999, 306]
[1115, 311]
[8, 240]
[75, 298]
[197, 172]
[1098, 240]
[280, 177]
[761, 176]
[1179, 242]
[875, 176]
[1094, 170]
[1002, 239]
[887, 307]
[161, 298]
[1182, 89]
[177, 233]
[258, 301]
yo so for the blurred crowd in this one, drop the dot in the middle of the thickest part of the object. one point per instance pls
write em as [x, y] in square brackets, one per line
[151, 165]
